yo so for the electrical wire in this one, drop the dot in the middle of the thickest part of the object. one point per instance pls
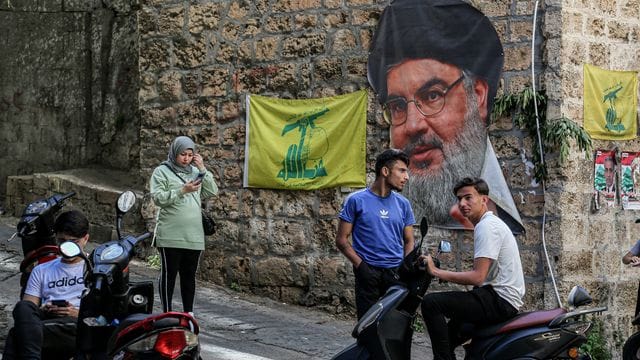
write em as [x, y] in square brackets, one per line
[540, 149]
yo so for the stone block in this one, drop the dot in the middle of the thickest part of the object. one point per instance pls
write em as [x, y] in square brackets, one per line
[599, 54]
[296, 5]
[517, 58]
[255, 234]
[291, 295]
[521, 30]
[267, 49]
[288, 237]
[622, 31]
[171, 20]
[273, 271]
[344, 41]
[595, 27]
[328, 69]
[278, 24]
[305, 21]
[367, 17]
[303, 45]
[323, 236]
[154, 55]
[239, 270]
[189, 52]
[170, 86]
[203, 17]
[494, 8]
[214, 81]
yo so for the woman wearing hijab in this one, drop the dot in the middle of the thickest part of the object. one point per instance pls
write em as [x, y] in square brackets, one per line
[177, 186]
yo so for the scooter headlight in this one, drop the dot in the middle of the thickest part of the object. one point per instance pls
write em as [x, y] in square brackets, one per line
[369, 318]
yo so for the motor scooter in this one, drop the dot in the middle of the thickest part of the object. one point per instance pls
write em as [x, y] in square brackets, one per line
[115, 318]
[385, 331]
[35, 229]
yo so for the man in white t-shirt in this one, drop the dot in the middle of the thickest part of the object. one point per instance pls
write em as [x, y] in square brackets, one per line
[45, 319]
[497, 276]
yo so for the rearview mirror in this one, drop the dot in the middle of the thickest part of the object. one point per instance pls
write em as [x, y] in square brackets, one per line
[444, 247]
[126, 200]
[70, 249]
[424, 227]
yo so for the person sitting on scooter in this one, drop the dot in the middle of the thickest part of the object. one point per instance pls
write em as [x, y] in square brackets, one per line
[381, 223]
[497, 277]
[45, 319]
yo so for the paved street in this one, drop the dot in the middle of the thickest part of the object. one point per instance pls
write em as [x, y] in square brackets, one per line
[233, 325]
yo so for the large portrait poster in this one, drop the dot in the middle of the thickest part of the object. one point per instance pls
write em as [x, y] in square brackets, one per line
[435, 67]
[630, 180]
[605, 175]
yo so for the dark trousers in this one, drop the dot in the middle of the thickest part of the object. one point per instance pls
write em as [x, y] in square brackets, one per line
[178, 261]
[371, 283]
[34, 336]
[480, 306]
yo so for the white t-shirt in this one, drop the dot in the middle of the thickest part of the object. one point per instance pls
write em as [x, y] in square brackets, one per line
[492, 239]
[56, 280]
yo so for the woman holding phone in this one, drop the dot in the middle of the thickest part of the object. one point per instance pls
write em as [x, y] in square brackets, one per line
[177, 186]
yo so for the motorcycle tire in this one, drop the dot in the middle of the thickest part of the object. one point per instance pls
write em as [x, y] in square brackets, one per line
[631, 349]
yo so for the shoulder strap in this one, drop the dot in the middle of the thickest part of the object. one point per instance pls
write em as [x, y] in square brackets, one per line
[179, 177]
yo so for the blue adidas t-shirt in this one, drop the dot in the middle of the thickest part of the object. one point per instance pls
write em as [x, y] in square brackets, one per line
[378, 226]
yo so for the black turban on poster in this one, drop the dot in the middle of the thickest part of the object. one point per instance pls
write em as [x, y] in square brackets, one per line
[450, 31]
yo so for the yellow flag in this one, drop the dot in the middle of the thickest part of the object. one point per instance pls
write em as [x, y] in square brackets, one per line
[306, 144]
[610, 103]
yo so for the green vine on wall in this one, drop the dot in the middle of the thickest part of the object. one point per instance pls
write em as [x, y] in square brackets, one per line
[556, 134]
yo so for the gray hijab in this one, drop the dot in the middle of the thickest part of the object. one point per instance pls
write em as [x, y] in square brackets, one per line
[180, 144]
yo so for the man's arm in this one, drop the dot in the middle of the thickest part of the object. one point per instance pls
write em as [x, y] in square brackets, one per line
[343, 244]
[33, 299]
[409, 241]
[474, 277]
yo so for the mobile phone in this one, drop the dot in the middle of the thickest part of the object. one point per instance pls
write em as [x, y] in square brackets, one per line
[59, 303]
[199, 178]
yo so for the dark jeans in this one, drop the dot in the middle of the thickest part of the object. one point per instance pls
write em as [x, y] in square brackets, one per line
[184, 262]
[371, 283]
[480, 306]
[35, 336]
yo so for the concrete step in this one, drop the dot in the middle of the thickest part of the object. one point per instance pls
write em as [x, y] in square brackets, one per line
[97, 190]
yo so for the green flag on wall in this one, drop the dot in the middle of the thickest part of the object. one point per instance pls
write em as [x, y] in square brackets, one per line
[306, 144]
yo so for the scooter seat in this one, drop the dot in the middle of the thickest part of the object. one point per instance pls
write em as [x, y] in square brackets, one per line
[521, 321]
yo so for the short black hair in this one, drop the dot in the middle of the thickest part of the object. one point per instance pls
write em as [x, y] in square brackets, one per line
[72, 223]
[388, 157]
[610, 158]
[479, 184]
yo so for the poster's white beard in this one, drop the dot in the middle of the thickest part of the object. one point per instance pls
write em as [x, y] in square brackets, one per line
[431, 194]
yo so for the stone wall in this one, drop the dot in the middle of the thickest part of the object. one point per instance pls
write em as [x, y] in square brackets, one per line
[592, 242]
[197, 63]
[68, 86]
[198, 60]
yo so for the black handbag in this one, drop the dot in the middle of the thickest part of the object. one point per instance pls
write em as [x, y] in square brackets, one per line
[208, 224]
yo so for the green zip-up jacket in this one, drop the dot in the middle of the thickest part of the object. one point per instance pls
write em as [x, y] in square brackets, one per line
[180, 217]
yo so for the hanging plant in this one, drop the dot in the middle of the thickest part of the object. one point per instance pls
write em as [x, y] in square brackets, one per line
[556, 134]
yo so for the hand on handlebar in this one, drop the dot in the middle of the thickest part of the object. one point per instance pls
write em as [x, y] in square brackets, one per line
[426, 263]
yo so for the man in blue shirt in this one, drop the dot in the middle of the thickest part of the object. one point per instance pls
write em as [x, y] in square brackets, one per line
[380, 222]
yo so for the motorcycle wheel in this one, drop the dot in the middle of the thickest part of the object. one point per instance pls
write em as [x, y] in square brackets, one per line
[631, 349]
